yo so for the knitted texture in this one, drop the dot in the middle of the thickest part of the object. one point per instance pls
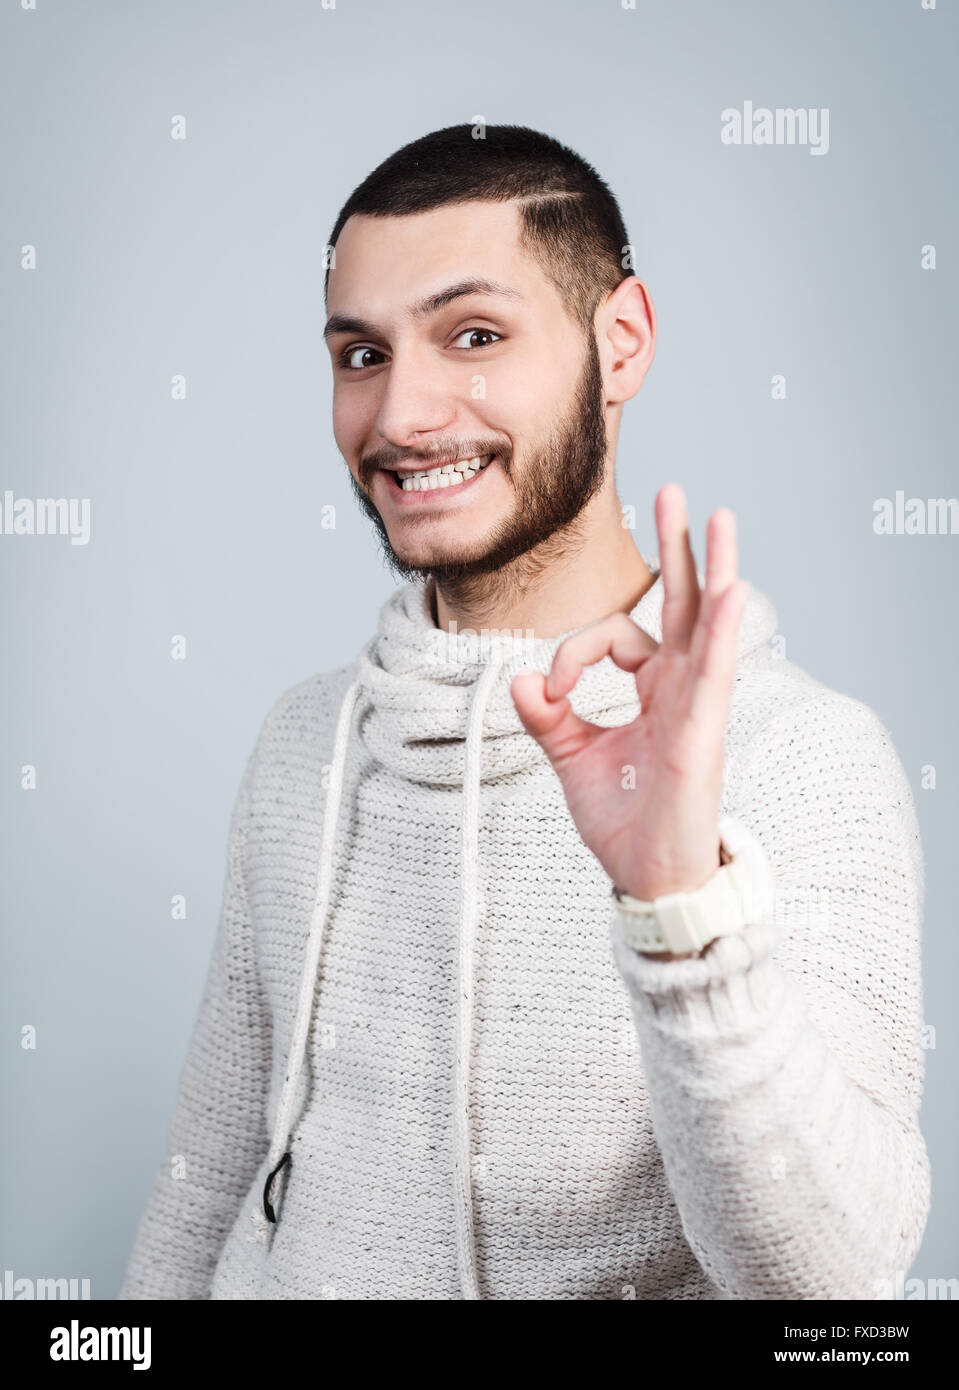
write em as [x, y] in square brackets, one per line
[499, 1097]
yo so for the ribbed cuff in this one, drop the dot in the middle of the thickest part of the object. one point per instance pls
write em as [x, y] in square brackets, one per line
[733, 982]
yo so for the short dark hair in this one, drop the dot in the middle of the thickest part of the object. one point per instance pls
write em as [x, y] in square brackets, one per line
[570, 221]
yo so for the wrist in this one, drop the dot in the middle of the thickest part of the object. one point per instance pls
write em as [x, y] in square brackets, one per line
[682, 923]
[721, 858]
[647, 888]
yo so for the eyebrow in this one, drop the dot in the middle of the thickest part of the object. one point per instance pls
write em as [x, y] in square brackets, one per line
[424, 308]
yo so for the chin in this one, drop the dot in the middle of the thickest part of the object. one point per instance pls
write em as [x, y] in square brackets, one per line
[436, 561]
[434, 554]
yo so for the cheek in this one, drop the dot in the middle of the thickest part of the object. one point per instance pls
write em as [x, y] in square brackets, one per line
[520, 405]
[535, 388]
[347, 423]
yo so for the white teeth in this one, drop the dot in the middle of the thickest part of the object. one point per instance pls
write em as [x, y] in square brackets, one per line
[447, 475]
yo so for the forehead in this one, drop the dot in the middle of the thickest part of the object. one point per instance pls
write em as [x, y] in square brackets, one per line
[383, 263]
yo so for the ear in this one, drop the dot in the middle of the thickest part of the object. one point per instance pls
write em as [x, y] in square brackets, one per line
[625, 338]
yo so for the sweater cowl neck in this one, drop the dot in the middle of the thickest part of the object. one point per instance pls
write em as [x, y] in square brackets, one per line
[418, 684]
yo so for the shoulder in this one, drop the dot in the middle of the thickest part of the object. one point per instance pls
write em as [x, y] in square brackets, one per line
[295, 740]
[780, 712]
[308, 710]
[819, 770]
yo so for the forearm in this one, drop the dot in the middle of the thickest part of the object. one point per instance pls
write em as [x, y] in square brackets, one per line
[215, 1143]
[790, 1180]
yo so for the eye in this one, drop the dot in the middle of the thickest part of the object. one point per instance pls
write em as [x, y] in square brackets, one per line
[471, 333]
[356, 358]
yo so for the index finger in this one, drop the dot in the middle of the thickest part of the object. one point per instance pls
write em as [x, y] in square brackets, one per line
[615, 636]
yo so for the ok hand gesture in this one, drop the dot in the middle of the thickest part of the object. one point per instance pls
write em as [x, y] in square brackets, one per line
[660, 832]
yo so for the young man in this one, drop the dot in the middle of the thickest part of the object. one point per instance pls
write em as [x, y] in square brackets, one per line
[422, 1067]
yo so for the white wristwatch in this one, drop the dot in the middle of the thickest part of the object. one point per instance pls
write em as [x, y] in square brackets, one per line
[740, 891]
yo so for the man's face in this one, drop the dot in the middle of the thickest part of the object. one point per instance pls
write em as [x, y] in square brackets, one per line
[449, 343]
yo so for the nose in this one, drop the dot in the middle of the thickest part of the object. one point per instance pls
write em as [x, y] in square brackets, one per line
[416, 400]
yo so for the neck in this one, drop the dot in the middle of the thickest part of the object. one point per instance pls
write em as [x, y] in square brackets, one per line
[578, 576]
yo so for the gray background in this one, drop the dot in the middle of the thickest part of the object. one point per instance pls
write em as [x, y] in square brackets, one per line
[201, 257]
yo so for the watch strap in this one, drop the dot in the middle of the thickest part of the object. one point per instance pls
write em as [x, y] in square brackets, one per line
[737, 893]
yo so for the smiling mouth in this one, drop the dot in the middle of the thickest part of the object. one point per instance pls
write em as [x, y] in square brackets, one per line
[445, 475]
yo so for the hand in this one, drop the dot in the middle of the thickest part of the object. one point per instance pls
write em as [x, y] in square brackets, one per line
[645, 796]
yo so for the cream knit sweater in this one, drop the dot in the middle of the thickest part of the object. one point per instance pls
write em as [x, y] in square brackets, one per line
[419, 991]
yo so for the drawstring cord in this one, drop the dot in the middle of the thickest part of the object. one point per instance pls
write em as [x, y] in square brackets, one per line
[470, 912]
[278, 1156]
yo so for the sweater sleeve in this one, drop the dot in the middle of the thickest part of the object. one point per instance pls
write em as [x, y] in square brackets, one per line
[217, 1137]
[784, 1064]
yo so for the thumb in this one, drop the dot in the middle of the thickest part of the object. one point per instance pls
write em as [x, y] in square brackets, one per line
[557, 730]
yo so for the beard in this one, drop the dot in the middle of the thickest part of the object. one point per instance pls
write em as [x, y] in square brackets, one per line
[552, 489]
